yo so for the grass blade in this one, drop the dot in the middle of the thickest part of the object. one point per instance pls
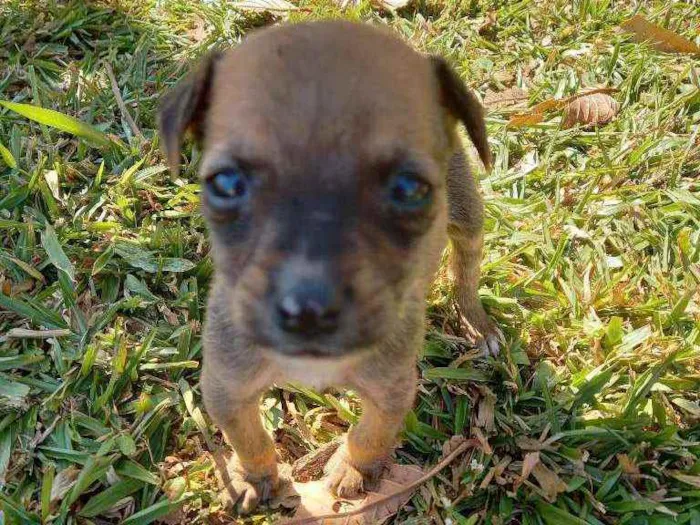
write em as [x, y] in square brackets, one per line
[58, 120]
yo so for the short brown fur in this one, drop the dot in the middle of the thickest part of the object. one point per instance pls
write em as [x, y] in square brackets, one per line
[322, 114]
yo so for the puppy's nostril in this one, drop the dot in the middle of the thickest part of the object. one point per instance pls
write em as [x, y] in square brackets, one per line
[308, 311]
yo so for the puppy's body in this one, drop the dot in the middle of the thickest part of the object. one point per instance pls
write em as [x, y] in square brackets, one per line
[332, 176]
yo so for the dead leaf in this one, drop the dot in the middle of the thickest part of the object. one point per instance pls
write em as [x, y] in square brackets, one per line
[451, 444]
[628, 466]
[685, 478]
[197, 34]
[590, 110]
[503, 99]
[526, 443]
[530, 461]
[310, 467]
[526, 119]
[658, 37]
[549, 481]
[391, 5]
[489, 23]
[318, 505]
[483, 441]
[495, 472]
[485, 417]
[63, 482]
[395, 489]
[272, 6]
[536, 114]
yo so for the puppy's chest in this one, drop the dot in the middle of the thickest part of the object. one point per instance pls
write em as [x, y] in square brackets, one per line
[311, 372]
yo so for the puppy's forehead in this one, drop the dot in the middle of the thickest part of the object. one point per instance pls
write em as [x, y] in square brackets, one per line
[323, 86]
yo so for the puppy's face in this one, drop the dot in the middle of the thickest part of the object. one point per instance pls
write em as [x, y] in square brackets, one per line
[325, 148]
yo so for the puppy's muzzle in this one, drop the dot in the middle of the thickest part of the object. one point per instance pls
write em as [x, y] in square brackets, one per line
[310, 308]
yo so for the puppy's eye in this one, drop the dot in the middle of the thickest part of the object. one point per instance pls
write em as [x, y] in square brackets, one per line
[408, 192]
[228, 188]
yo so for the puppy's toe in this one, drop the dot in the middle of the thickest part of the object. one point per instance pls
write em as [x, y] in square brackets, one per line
[482, 333]
[347, 481]
[493, 344]
[245, 490]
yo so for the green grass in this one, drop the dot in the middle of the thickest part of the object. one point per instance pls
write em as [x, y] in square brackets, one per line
[592, 270]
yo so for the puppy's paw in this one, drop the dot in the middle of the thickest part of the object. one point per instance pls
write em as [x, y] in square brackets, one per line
[481, 332]
[246, 490]
[347, 481]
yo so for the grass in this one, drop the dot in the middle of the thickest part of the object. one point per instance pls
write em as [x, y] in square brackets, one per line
[592, 270]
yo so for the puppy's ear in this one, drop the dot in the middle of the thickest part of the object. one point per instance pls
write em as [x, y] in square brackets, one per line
[464, 105]
[184, 108]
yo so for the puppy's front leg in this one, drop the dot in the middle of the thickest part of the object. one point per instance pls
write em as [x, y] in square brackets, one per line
[235, 409]
[386, 399]
[466, 231]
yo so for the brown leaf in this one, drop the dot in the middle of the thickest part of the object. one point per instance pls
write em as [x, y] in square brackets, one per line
[317, 502]
[391, 5]
[530, 461]
[590, 110]
[535, 114]
[487, 404]
[495, 472]
[273, 6]
[549, 481]
[525, 119]
[685, 478]
[310, 467]
[628, 466]
[63, 482]
[197, 34]
[503, 99]
[658, 37]
[395, 489]
[489, 23]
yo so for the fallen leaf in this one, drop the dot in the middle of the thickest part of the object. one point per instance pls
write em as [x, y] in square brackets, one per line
[262, 6]
[489, 23]
[590, 110]
[549, 481]
[197, 34]
[485, 415]
[310, 467]
[503, 99]
[63, 482]
[317, 506]
[451, 444]
[483, 441]
[391, 5]
[535, 114]
[526, 119]
[317, 503]
[686, 478]
[627, 465]
[530, 461]
[658, 37]
[495, 472]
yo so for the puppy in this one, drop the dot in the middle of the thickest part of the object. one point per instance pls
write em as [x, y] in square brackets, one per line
[331, 174]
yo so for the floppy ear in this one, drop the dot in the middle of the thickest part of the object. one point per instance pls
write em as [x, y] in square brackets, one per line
[184, 108]
[464, 105]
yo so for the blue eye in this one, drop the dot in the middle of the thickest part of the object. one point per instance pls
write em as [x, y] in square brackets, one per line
[228, 186]
[408, 192]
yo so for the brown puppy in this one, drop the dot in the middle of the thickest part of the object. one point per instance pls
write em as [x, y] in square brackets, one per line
[332, 174]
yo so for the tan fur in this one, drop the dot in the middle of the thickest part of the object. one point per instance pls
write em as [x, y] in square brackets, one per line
[322, 112]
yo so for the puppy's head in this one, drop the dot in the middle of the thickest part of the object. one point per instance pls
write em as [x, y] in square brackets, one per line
[325, 151]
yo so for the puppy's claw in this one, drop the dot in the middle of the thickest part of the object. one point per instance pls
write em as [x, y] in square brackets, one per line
[246, 491]
[483, 335]
[494, 346]
[345, 480]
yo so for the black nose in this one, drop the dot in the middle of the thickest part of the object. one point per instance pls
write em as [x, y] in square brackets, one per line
[309, 309]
